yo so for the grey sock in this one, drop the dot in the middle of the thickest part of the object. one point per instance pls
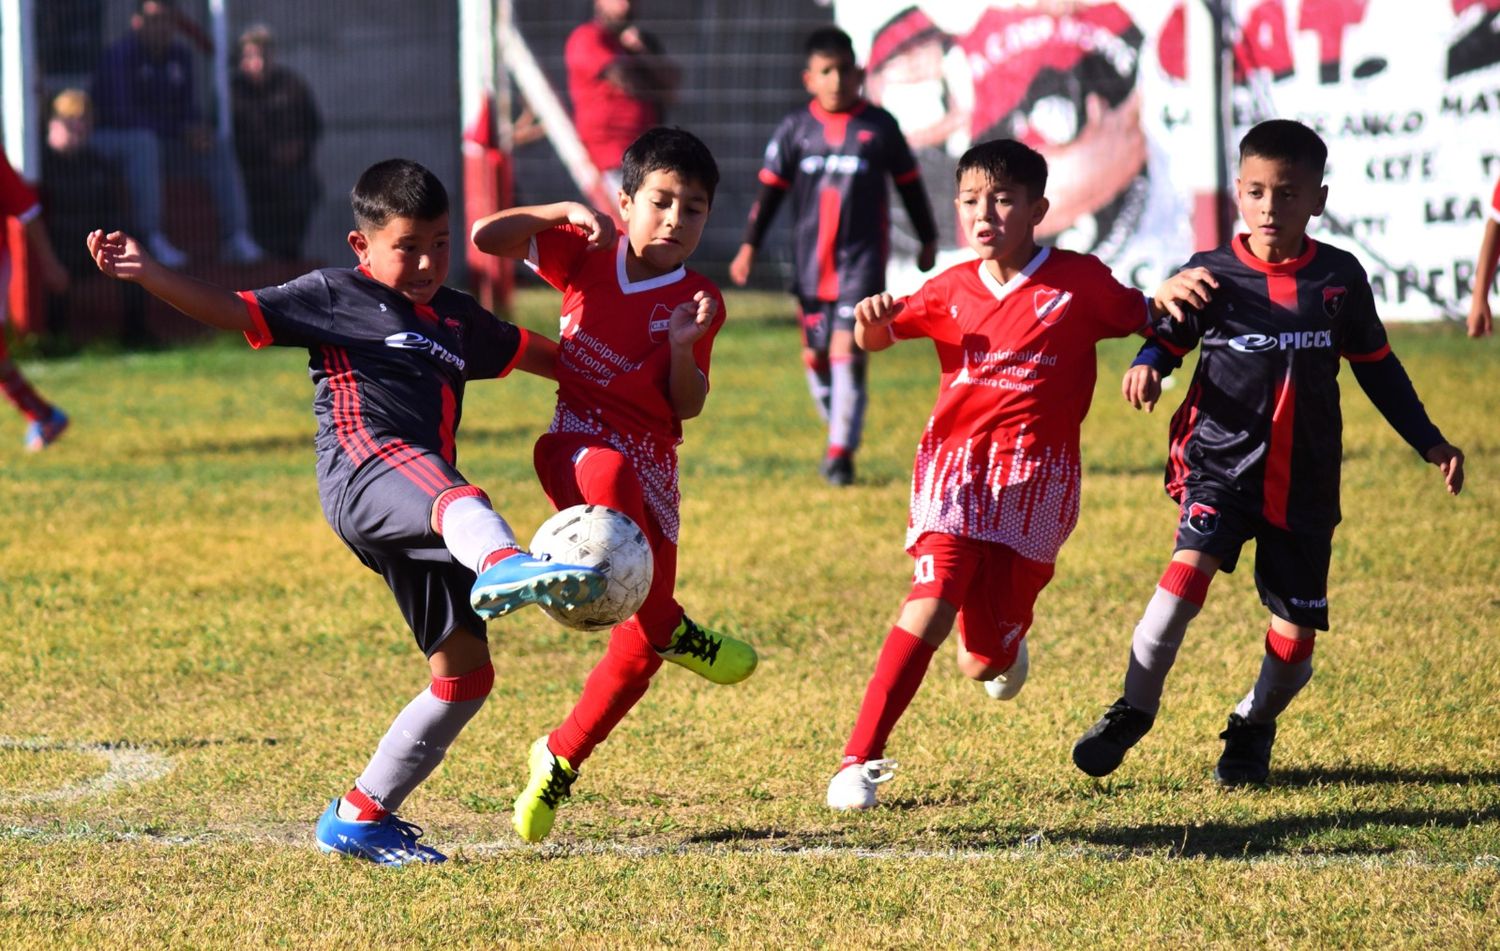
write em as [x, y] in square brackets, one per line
[846, 405]
[818, 385]
[1278, 683]
[413, 747]
[1153, 648]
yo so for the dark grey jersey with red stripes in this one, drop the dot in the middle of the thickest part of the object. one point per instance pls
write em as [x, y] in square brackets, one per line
[835, 164]
[1261, 418]
[388, 374]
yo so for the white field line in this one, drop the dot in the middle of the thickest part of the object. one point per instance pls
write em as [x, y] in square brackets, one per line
[127, 766]
[300, 837]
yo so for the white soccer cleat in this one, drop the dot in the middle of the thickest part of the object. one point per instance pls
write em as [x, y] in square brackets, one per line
[1008, 684]
[853, 787]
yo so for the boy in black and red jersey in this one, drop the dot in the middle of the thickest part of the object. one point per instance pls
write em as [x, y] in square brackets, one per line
[1257, 443]
[834, 157]
[390, 351]
[637, 333]
[995, 486]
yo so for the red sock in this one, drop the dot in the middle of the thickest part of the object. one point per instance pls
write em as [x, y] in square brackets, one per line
[615, 685]
[899, 671]
[498, 554]
[837, 452]
[19, 392]
[369, 809]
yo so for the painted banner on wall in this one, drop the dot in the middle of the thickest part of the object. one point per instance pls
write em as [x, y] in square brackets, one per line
[1405, 92]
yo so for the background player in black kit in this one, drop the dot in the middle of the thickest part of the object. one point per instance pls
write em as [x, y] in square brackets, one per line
[834, 157]
[1257, 444]
[390, 351]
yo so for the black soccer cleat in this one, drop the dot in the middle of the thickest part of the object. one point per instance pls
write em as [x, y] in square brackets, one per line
[838, 470]
[1247, 752]
[1100, 751]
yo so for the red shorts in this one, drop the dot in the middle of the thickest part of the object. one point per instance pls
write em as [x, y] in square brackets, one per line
[993, 588]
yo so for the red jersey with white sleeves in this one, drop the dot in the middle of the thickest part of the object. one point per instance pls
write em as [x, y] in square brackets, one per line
[17, 200]
[999, 460]
[614, 359]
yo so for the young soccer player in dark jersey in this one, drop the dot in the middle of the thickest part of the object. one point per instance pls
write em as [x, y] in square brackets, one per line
[390, 352]
[995, 485]
[834, 158]
[1256, 445]
[637, 332]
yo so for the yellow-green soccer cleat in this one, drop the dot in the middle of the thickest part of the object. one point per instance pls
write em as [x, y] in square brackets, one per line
[715, 657]
[551, 782]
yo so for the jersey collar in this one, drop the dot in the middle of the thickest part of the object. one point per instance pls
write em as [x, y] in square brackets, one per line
[999, 290]
[1289, 266]
[650, 283]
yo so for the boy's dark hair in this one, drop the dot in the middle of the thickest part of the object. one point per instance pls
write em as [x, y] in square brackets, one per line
[670, 150]
[1286, 140]
[396, 188]
[828, 41]
[1007, 160]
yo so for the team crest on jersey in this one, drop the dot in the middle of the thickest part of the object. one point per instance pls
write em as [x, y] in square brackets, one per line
[1051, 304]
[661, 322]
[1333, 300]
[1203, 519]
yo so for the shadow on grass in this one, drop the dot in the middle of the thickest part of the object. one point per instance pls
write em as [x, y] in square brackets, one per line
[1373, 831]
[1383, 775]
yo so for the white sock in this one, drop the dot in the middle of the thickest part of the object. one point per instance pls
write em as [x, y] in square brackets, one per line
[472, 530]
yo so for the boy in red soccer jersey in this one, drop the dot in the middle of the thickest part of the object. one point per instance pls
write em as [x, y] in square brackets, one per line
[390, 352]
[44, 422]
[996, 481]
[1481, 322]
[637, 330]
[1257, 444]
[834, 157]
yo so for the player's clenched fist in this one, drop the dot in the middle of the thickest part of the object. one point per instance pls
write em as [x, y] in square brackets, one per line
[690, 320]
[877, 310]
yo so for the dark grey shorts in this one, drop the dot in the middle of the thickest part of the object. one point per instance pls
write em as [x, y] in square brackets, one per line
[1291, 569]
[385, 518]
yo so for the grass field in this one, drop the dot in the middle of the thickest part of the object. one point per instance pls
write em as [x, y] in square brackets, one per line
[193, 665]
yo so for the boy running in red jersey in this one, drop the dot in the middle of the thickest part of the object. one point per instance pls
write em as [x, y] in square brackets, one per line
[1257, 444]
[637, 331]
[44, 422]
[995, 486]
[390, 350]
[833, 157]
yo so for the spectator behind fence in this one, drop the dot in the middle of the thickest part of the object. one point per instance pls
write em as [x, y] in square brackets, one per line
[620, 80]
[80, 187]
[149, 122]
[276, 128]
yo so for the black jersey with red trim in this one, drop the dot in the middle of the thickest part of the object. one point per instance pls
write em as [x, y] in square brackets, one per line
[1261, 418]
[388, 375]
[835, 165]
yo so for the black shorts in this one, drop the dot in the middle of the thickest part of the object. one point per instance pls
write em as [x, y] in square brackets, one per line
[1291, 569]
[385, 517]
[820, 318]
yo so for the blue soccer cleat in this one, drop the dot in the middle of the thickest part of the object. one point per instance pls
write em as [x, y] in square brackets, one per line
[519, 580]
[44, 432]
[389, 841]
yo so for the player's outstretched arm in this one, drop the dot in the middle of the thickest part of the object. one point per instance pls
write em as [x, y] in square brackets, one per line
[1450, 461]
[688, 323]
[872, 321]
[539, 356]
[1481, 323]
[120, 256]
[508, 232]
[1191, 287]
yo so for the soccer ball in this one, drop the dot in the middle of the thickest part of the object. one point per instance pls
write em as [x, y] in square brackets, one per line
[604, 539]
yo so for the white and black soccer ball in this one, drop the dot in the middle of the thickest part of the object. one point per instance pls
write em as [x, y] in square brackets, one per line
[607, 540]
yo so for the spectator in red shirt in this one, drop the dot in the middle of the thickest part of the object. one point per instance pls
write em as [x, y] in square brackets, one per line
[620, 80]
